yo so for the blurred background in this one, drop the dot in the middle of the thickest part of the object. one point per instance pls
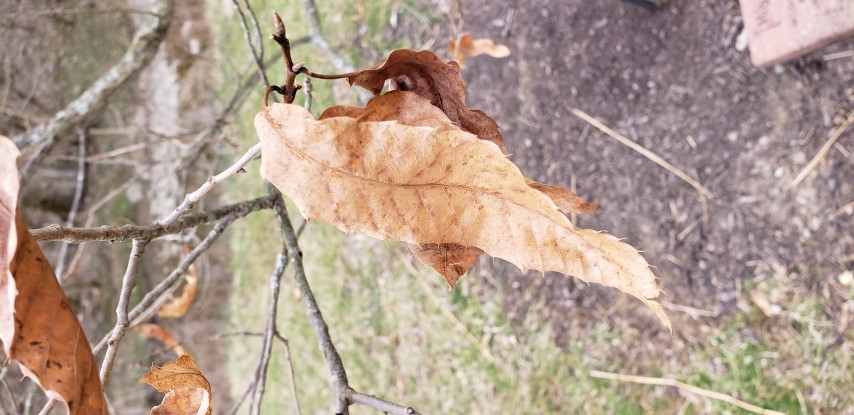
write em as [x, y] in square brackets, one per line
[757, 277]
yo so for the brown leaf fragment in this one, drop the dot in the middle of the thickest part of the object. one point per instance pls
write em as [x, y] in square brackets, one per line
[38, 328]
[449, 260]
[566, 201]
[435, 185]
[466, 45]
[388, 107]
[187, 390]
[159, 333]
[423, 73]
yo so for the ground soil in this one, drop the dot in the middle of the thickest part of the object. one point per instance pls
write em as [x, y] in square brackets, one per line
[673, 81]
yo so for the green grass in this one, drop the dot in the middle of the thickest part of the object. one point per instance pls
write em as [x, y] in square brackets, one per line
[397, 343]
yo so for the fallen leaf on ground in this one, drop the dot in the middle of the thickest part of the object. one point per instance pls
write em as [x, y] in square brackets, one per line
[38, 328]
[466, 45]
[159, 333]
[179, 306]
[434, 185]
[187, 391]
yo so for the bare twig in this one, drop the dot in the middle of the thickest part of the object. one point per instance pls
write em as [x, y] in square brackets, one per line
[138, 55]
[149, 303]
[683, 386]
[209, 184]
[822, 152]
[48, 407]
[288, 89]
[306, 90]
[643, 151]
[41, 150]
[122, 320]
[293, 379]
[256, 50]
[380, 405]
[79, 191]
[269, 333]
[315, 317]
[319, 41]
[156, 230]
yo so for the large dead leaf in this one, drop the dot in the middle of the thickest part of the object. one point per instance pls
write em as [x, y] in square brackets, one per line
[450, 260]
[187, 391]
[434, 185]
[440, 82]
[466, 45]
[37, 325]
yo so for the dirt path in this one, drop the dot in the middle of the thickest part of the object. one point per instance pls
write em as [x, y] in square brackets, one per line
[673, 81]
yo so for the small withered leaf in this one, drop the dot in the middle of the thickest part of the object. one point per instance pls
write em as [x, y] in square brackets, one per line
[440, 82]
[451, 261]
[566, 201]
[187, 391]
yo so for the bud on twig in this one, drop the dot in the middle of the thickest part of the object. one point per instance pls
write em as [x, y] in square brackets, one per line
[278, 26]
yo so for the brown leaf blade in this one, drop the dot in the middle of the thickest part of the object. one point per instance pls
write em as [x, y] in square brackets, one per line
[440, 82]
[37, 325]
[187, 391]
[427, 185]
[451, 261]
[566, 201]
[159, 333]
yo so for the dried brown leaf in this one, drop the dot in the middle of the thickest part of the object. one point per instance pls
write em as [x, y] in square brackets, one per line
[566, 201]
[187, 390]
[423, 73]
[159, 333]
[451, 261]
[435, 185]
[466, 45]
[38, 328]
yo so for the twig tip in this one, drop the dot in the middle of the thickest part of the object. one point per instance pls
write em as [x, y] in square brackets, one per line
[278, 26]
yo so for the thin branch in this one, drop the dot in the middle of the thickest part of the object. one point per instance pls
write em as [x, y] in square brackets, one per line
[316, 34]
[643, 151]
[48, 406]
[41, 150]
[138, 55]
[306, 90]
[150, 302]
[683, 386]
[212, 181]
[380, 405]
[257, 51]
[156, 230]
[79, 191]
[269, 333]
[122, 320]
[293, 379]
[822, 152]
[336, 367]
